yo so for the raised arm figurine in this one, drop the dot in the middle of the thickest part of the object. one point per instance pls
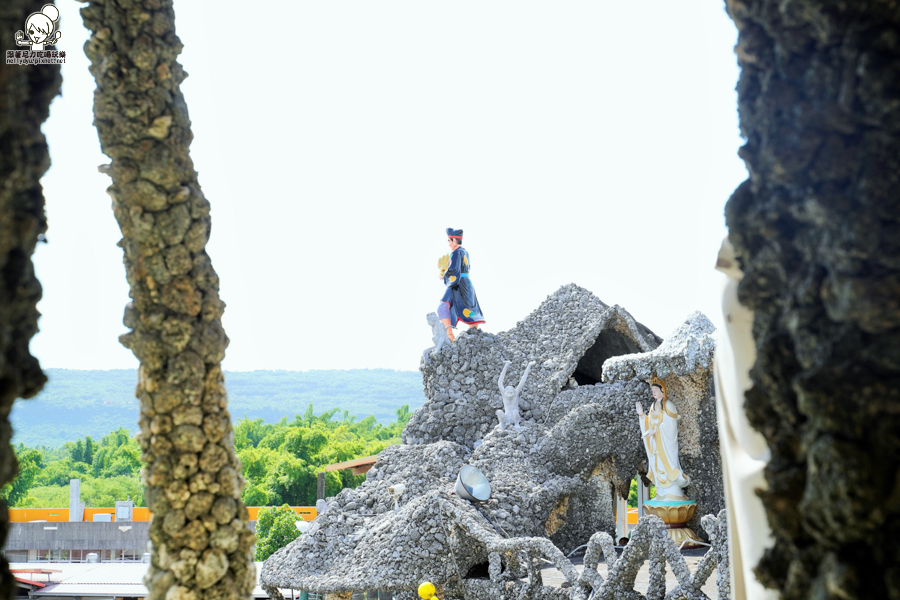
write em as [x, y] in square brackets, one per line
[510, 413]
[659, 430]
[439, 336]
[459, 302]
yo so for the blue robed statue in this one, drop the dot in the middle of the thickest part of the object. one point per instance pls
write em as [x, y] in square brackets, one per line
[459, 302]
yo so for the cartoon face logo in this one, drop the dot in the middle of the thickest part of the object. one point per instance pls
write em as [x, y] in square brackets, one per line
[39, 29]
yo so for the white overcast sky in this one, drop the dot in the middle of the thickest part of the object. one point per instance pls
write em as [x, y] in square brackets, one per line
[592, 142]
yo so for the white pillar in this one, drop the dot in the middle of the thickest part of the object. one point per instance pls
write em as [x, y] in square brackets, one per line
[76, 506]
[643, 494]
[621, 518]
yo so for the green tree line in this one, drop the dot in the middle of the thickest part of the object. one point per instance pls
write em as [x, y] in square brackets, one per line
[280, 461]
[109, 470]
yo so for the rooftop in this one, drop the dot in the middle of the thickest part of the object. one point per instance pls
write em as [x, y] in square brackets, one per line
[92, 580]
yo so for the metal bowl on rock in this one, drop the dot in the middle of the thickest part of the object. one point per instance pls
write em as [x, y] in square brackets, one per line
[472, 485]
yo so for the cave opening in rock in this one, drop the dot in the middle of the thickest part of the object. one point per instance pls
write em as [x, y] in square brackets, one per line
[479, 571]
[608, 344]
[582, 379]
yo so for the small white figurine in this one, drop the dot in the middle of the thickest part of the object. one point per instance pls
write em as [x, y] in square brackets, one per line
[439, 336]
[510, 413]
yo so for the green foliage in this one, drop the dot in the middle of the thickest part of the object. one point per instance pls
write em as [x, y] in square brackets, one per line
[88, 450]
[632, 495]
[30, 464]
[118, 455]
[275, 529]
[77, 452]
[281, 461]
[105, 491]
[108, 471]
[253, 496]
[82, 452]
[94, 492]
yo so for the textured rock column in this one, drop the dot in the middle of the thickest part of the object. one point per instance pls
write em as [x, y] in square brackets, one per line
[25, 96]
[817, 232]
[191, 474]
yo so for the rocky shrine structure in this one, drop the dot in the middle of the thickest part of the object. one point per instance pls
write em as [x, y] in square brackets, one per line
[553, 478]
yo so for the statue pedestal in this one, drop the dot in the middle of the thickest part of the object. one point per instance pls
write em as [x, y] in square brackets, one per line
[675, 513]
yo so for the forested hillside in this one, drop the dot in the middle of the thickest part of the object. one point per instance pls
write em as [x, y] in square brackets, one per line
[280, 461]
[75, 404]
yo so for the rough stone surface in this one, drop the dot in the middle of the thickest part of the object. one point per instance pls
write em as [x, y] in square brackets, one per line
[649, 544]
[201, 543]
[552, 479]
[25, 96]
[460, 383]
[816, 229]
[689, 349]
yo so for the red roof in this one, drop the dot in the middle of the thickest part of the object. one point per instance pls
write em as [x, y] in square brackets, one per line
[30, 582]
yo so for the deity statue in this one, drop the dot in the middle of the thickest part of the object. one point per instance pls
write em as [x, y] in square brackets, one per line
[459, 302]
[510, 413]
[660, 435]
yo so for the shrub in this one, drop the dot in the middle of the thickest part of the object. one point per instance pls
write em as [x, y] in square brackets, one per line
[275, 529]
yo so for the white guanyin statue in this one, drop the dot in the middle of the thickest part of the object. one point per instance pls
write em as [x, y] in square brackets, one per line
[660, 435]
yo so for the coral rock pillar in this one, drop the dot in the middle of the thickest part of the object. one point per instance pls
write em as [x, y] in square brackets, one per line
[201, 544]
[25, 96]
[817, 232]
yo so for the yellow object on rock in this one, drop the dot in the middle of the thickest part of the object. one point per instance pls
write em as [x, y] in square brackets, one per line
[426, 590]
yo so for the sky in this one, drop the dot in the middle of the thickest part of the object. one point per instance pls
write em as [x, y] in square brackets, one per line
[574, 142]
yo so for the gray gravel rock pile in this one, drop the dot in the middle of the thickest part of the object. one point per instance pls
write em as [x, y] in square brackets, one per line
[532, 496]
[621, 394]
[351, 552]
[690, 349]
[571, 328]
[553, 478]
[599, 422]
[419, 468]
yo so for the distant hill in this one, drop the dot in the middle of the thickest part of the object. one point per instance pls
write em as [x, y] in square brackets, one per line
[75, 404]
